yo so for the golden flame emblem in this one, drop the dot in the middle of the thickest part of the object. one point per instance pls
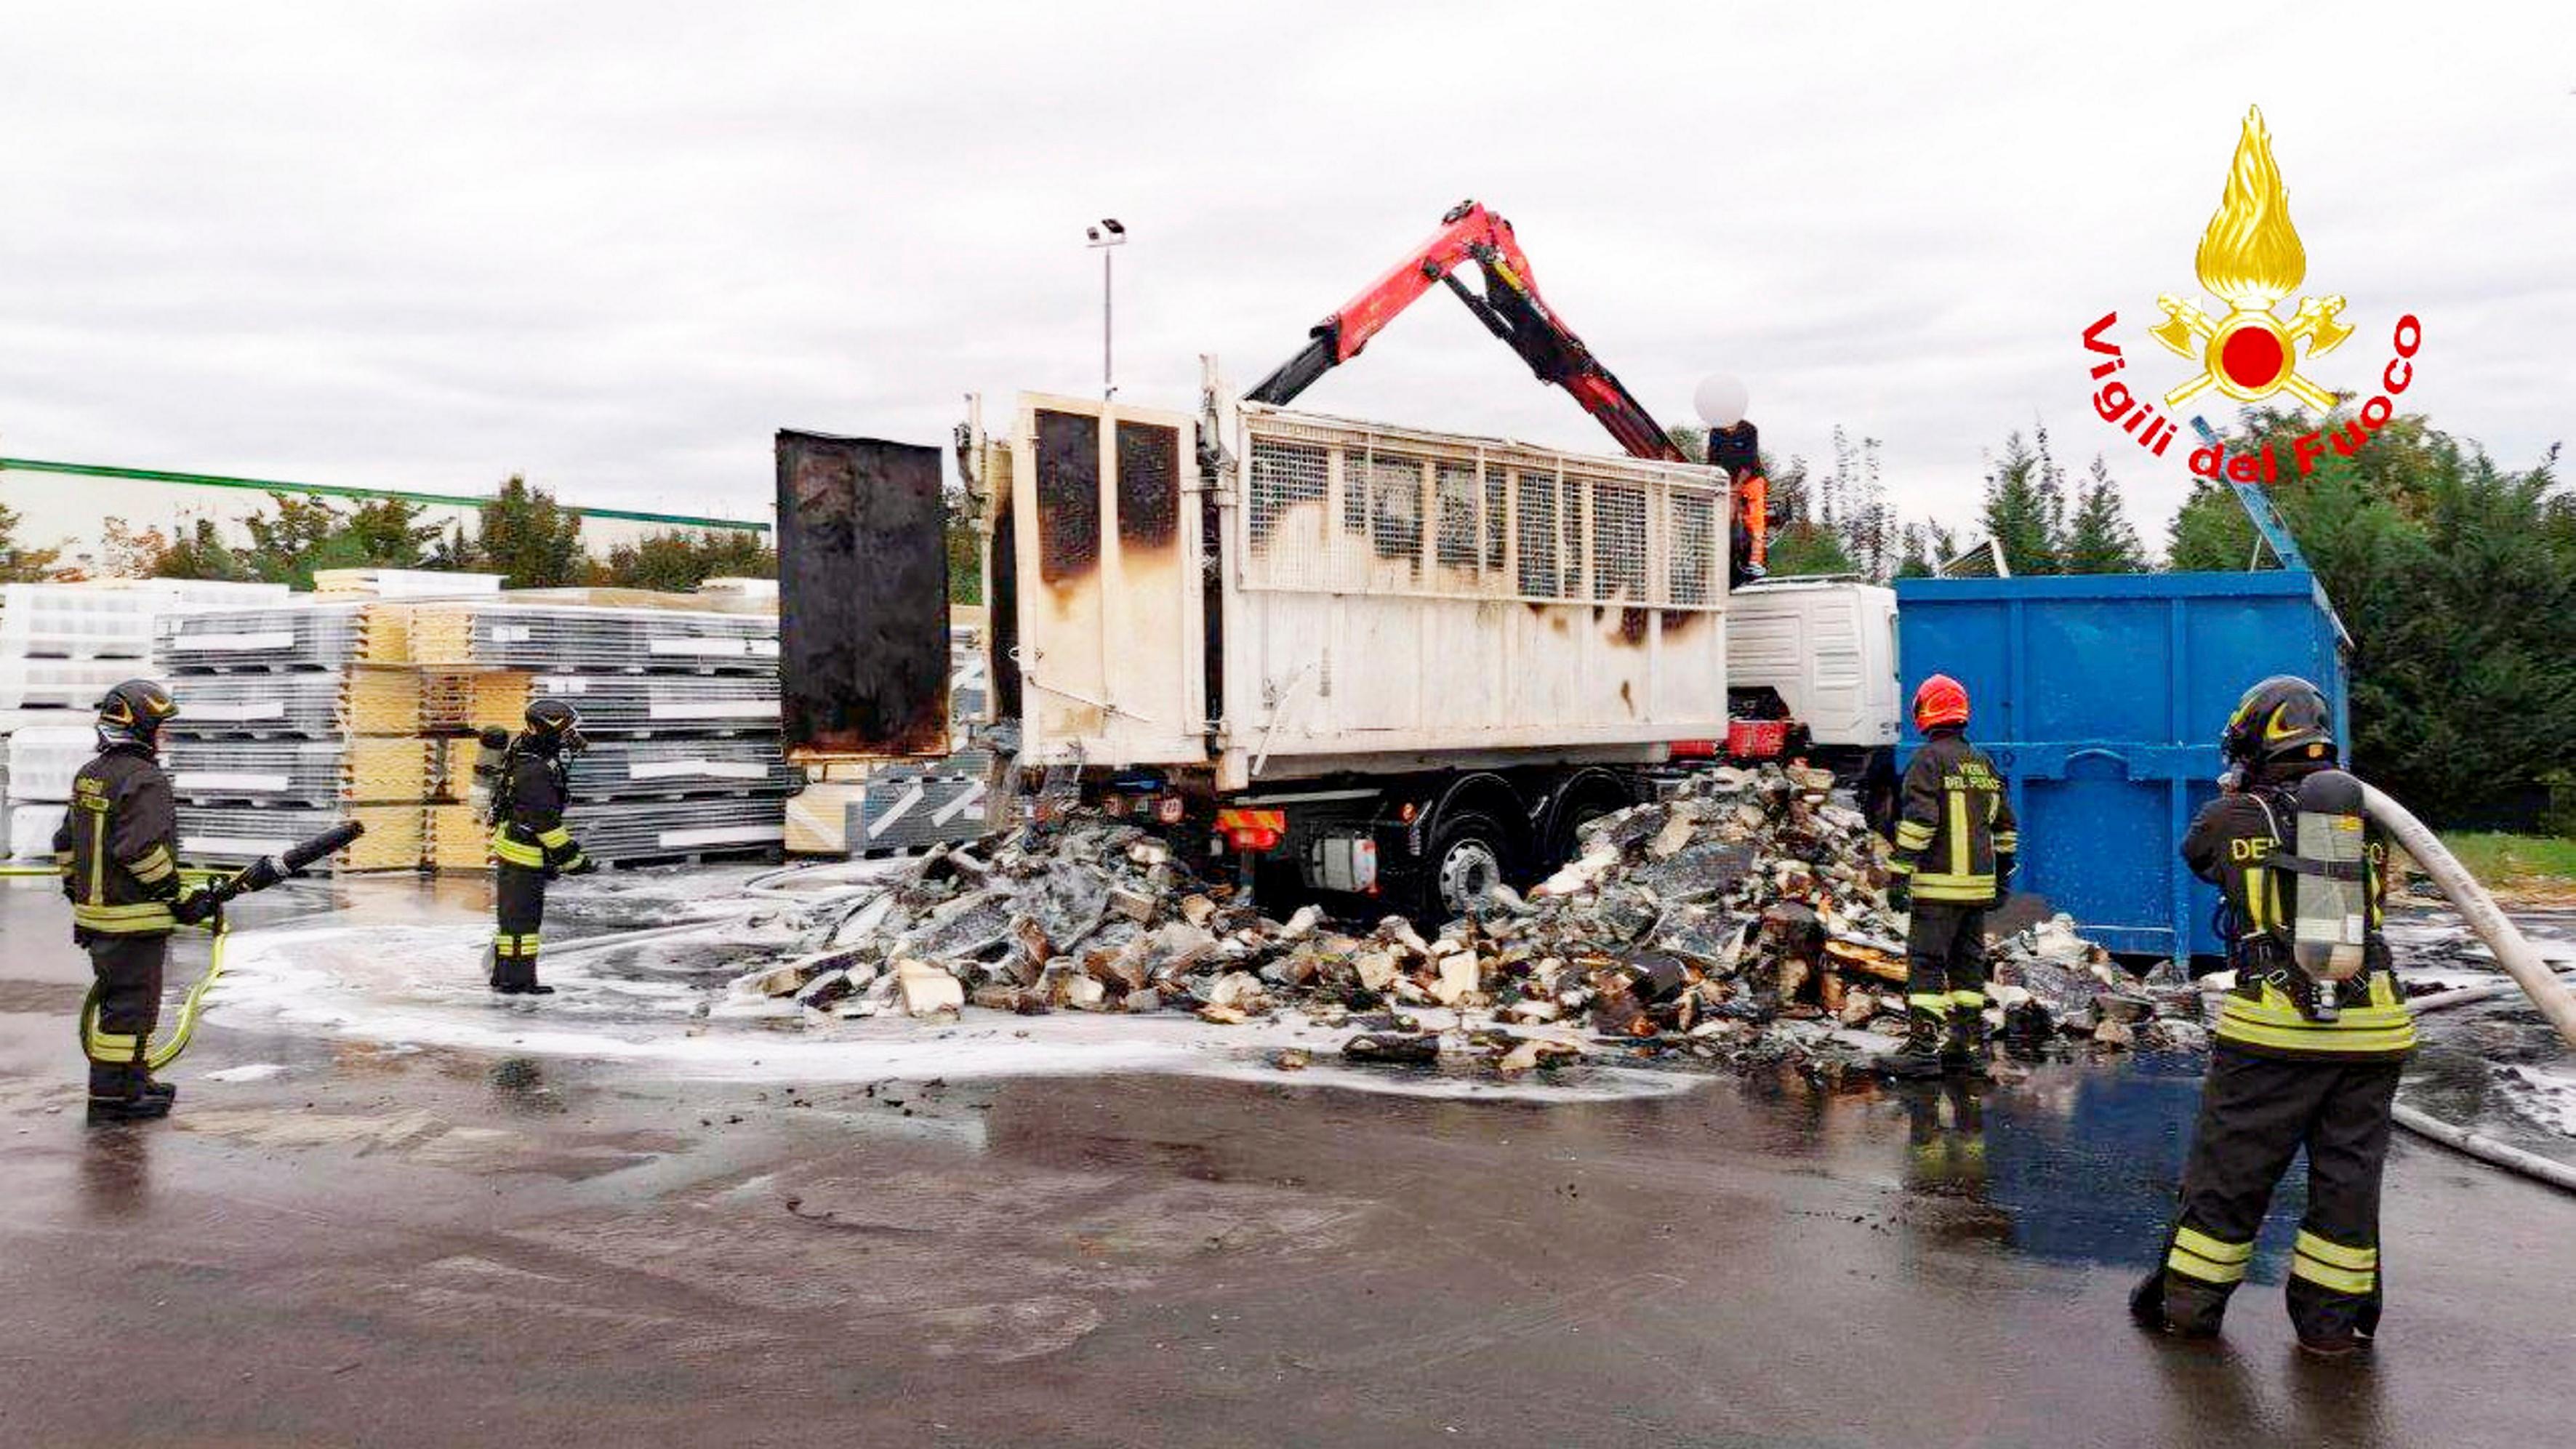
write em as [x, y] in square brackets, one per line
[2252, 257]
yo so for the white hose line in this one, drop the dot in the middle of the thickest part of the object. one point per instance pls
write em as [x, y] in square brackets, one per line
[2479, 991]
[2452, 1135]
[766, 884]
[2512, 952]
[622, 938]
[2486, 1149]
[2479, 909]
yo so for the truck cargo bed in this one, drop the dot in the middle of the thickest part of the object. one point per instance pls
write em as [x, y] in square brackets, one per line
[1382, 598]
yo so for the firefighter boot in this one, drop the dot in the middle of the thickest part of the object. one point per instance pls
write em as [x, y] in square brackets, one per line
[2147, 1302]
[1967, 1048]
[1920, 1056]
[123, 1092]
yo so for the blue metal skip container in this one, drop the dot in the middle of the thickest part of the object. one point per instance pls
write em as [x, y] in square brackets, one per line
[2100, 697]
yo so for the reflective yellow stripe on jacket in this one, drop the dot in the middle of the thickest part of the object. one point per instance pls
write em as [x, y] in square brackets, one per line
[1978, 889]
[136, 919]
[153, 866]
[513, 851]
[2384, 1027]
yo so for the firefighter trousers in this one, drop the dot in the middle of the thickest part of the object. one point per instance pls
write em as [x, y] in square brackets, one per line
[1945, 958]
[2256, 1112]
[128, 969]
[519, 908]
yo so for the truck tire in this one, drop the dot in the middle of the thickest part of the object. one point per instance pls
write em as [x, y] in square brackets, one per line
[1471, 853]
[1569, 833]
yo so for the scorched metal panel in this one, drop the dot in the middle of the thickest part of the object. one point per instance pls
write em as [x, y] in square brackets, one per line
[862, 552]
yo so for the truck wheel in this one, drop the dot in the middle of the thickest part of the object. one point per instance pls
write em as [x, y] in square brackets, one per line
[1470, 855]
[1569, 833]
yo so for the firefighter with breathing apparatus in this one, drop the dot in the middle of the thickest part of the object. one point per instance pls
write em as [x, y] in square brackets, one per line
[530, 843]
[117, 849]
[1955, 846]
[2309, 1041]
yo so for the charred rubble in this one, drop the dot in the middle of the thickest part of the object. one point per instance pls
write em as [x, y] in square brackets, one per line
[1740, 920]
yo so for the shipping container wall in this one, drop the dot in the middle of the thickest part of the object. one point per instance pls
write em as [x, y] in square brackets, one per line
[2101, 698]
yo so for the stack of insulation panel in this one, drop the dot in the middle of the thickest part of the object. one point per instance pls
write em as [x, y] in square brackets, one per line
[62, 646]
[384, 583]
[42, 761]
[560, 638]
[291, 720]
[286, 639]
[681, 707]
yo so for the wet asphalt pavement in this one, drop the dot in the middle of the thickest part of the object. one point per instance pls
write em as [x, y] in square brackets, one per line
[385, 1245]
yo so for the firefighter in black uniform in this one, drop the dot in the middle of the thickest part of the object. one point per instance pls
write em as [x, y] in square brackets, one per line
[529, 840]
[2309, 1041]
[117, 851]
[1955, 846]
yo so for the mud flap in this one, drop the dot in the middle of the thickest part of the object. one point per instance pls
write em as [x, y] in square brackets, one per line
[863, 558]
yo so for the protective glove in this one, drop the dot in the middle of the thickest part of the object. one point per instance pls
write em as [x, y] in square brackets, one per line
[2004, 865]
[579, 864]
[193, 905]
[1900, 896]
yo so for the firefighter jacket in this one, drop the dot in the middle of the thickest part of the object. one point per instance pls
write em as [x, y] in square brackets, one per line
[2230, 845]
[528, 828]
[1955, 836]
[117, 846]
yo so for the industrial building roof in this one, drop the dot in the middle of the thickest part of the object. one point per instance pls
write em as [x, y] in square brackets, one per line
[341, 490]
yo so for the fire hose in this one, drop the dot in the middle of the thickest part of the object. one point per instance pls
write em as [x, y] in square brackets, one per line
[2479, 909]
[259, 875]
[2512, 952]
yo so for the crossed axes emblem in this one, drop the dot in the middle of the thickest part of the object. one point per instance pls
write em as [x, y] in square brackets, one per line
[2249, 354]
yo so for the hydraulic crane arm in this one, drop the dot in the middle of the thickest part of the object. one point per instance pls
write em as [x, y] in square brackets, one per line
[1510, 308]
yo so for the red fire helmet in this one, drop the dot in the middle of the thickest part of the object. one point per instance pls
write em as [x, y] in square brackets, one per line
[1940, 700]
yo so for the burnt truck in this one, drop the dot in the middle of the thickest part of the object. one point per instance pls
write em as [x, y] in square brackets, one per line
[1334, 655]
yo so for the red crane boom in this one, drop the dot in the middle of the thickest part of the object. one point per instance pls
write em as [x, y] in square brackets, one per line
[1510, 307]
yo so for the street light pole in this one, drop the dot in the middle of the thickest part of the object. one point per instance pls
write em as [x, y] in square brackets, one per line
[1103, 237]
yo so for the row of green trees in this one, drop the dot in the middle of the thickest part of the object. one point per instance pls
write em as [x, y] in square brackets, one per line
[523, 534]
[2456, 579]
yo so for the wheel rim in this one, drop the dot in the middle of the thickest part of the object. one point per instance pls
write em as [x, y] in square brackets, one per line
[1468, 874]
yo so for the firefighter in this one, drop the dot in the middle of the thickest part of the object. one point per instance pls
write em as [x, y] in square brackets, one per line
[2309, 1041]
[117, 848]
[1955, 844]
[530, 843]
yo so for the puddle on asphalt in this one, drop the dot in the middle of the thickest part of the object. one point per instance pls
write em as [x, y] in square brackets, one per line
[2078, 1163]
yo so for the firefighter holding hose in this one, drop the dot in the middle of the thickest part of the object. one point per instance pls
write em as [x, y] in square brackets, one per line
[2309, 1041]
[530, 842]
[117, 849]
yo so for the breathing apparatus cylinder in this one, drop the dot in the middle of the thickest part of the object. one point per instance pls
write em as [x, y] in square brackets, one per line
[490, 782]
[2330, 916]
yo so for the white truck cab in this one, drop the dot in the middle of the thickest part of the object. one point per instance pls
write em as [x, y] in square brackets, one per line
[1819, 653]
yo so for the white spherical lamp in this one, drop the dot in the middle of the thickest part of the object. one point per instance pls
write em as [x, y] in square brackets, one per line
[1721, 399]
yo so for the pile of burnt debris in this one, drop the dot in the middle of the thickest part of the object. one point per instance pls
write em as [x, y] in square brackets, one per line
[1740, 920]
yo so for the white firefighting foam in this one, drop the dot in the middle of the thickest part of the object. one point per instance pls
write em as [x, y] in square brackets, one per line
[421, 986]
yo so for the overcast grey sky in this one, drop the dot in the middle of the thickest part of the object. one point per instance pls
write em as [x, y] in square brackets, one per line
[616, 245]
